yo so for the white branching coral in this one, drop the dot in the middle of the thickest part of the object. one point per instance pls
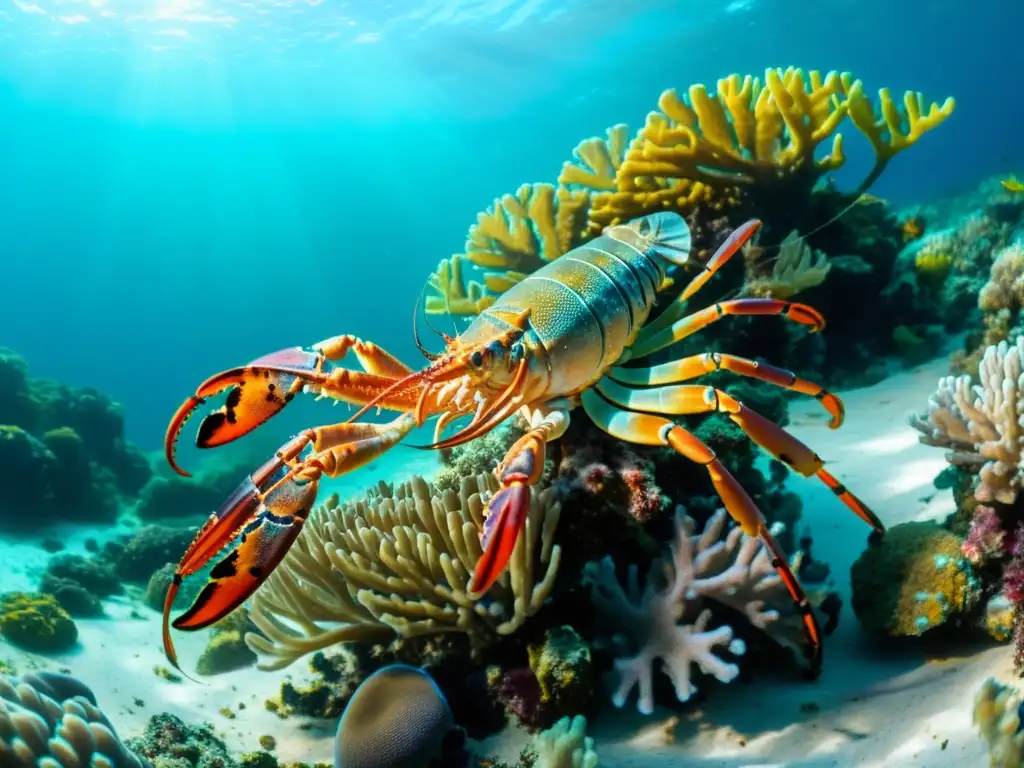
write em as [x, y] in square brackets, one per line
[399, 562]
[733, 570]
[981, 425]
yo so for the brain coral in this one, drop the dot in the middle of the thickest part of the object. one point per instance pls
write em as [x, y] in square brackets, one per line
[397, 718]
[52, 721]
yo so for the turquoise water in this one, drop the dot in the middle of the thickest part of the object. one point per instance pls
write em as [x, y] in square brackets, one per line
[186, 185]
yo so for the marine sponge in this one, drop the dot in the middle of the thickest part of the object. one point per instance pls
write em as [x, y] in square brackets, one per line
[734, 571]
[981, 425]
[399, 561]
[397, 718]
[36, 622]
[913, 580]
[49, 720]
[997, 711]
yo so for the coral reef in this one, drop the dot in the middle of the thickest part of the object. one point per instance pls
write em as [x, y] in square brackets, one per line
[62, 450]
[913, 580]
[397, 717]
[52, 720]
[980, 424]
[399, 562]
[997, 712]
[36, 622]
[750, 145]
[733, 571]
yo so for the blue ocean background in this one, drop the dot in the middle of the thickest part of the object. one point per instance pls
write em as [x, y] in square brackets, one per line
[185, 186]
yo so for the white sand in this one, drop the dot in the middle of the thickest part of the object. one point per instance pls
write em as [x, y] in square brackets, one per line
[875, 707]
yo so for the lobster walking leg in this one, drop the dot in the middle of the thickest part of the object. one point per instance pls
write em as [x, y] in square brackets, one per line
[648, 429]
[689, 325]
[508, 509]
[737, 238]
[686, 399]
[269, 509]
[697, 365]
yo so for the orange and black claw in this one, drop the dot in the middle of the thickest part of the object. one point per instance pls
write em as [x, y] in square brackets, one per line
[264, 543]
[506, 517]
[256, 392]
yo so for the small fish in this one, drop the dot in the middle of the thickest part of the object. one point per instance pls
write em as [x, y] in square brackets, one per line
[1012, 185]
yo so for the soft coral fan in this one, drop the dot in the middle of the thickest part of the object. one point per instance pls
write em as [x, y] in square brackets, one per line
[733, 570]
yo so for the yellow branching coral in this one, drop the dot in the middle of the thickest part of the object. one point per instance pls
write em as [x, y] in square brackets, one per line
[796, 269]
[517, 235]
[399, 562]
[705, 152]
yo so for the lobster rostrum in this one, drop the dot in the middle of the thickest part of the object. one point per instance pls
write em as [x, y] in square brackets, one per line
[557, 340]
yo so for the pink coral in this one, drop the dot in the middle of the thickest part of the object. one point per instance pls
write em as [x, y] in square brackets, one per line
[986, 538]
[519, 692]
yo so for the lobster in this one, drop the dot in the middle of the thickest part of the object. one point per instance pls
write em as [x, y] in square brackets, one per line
[557, 340]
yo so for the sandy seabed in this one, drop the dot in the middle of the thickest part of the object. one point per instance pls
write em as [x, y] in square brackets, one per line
[870, 707]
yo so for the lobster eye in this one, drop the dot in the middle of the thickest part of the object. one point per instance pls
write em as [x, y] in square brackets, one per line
[476, 359]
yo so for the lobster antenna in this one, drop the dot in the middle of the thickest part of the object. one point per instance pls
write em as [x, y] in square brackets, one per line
[863, 187]
[415, 330]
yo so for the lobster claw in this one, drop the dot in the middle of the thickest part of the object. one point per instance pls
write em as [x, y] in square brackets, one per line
[256, 392]
[263, 545]
[269, 521]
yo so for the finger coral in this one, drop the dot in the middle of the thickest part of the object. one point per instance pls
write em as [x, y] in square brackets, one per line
[52, 720]
[732, 570]
[981, 424]
[399, 561]
[748, 139]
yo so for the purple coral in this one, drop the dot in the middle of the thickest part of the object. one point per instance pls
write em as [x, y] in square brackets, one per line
[518, 690]
[986, 538]
[609, 471]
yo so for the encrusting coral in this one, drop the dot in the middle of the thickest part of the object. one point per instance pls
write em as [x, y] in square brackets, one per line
[981, 424]
[36, 622]
[913, 580]
[399, 562]
[52, 721]
[751, 142]
[732, 570]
